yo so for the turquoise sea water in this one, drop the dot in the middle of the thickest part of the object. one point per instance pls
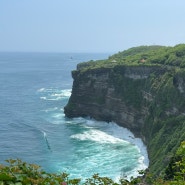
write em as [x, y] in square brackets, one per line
[34, 88]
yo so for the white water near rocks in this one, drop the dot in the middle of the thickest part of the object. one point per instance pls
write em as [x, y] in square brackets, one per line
[35, 87]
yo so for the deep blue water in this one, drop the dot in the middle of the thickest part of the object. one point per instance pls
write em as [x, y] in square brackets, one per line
[34, 88]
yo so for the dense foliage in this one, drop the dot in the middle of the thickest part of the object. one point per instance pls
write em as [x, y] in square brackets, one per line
[174, 56]
[143, 55]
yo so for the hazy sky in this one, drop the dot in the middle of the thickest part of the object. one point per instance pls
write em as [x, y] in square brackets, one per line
[89, 25]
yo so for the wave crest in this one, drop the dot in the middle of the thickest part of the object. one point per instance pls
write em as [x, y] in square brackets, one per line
[54, 94]
[98, 136]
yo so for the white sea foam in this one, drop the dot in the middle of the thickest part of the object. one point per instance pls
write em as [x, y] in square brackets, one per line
[135, 172]
[57, 95]
[44, 133]
[45, 89]
[43, 98]
[51, 109]
[66, 93]
[58, 115]
[50, 99]
[97, 136]
[125, 134]
[56, 118]
[53, 94]
[112, 133]
[54, 99]
[79, 119]
[41, 90]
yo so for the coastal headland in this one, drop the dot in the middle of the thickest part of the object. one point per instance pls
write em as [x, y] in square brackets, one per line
[142, 89]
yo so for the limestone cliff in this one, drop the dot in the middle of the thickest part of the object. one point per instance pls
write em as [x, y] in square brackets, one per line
[147, 99]
[112, 95]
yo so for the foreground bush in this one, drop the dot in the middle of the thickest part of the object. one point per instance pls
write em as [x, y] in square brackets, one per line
[18, 172]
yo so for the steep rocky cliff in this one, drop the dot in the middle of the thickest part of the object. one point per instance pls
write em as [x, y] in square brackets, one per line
[113, 94]
[147, 99]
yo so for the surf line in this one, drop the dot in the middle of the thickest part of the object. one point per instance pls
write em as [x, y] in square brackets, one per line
[46, 139]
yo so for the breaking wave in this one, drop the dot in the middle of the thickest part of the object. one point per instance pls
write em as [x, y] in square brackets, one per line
[98, 147]
[54, 94]
[97, 136]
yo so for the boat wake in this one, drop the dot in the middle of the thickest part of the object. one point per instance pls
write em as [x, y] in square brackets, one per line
[46, 140]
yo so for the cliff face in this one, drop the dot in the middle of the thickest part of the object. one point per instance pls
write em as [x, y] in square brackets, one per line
[147, 99]
[103, 94]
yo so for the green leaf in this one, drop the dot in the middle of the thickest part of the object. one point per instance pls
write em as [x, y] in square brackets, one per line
[6, 177]
[18, 183]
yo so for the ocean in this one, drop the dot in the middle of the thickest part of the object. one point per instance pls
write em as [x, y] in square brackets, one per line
[34, 88]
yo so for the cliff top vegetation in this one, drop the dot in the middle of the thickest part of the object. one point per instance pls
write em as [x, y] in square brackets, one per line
[142, 55]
